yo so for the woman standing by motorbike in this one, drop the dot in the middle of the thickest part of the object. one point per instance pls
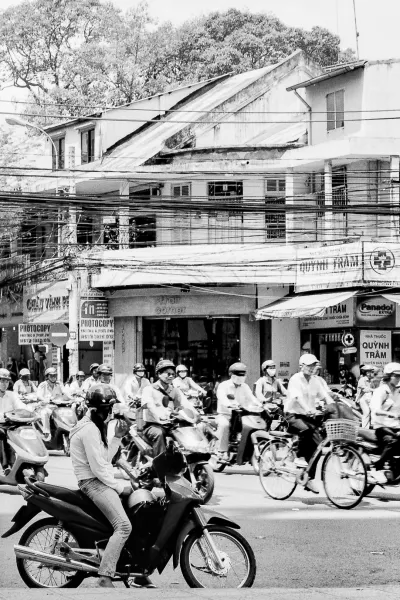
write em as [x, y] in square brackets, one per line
[91, 455]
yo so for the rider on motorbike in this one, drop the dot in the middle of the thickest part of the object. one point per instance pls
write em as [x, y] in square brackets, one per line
[158, 401]
[269, 390]
[49, 390]
[8, 401]
[24, 385]
[105, 374]
[94, 376]
[305, 391]
[135, 384]
[233, 393]
[91, 455]
[186, 384]
[76, 388]
[364, 393]
[385, 415]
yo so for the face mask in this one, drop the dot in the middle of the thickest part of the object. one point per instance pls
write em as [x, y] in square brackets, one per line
[182, 374]
[271, 372]
[238, 379]
[307, 370]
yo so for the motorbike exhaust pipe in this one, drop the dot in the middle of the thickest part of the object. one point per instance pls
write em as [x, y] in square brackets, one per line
[53, 560]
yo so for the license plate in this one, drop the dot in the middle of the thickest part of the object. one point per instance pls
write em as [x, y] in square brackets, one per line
[27, 434]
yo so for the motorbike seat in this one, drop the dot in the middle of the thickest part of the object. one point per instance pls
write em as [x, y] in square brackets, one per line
[368, 435]
[281, 434]
[75, 497]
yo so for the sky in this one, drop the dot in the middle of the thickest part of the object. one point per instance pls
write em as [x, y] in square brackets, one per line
[378, 22]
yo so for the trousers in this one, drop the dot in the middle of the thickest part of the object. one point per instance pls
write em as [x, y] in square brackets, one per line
[309, 437]
[108, 501]
[156, 435]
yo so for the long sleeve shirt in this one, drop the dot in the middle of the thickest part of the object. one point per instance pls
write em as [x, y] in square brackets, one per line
[187, 385]
[10, 402]
[90, 457]
[303, 394]
[268, 389]
[242, 396]
[134, 387]
[158, 402]
[383, 399]
[21, 388]
[47, 393]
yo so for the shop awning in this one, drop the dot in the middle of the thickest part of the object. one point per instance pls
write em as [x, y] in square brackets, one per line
[308, 305]
[391, 297]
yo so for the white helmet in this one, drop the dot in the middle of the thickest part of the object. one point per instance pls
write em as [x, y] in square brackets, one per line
[181, 368]
[392, 369]
[140, 497]
[308, 360]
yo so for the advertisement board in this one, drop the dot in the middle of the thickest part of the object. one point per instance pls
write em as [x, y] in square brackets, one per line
[375, 347]
[335, 317]
[29, 333]
[375, 311]
[382, 263]
[46, 303]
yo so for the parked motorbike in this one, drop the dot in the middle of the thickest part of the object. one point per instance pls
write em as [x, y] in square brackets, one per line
[63, 550]
[191, 441]
[62, 419]
[247, 438]
[370, 452]
[24, 449]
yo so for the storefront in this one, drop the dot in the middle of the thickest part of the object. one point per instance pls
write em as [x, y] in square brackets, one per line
[205, 330]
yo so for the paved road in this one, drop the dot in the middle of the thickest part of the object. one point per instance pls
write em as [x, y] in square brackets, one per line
[300, 543]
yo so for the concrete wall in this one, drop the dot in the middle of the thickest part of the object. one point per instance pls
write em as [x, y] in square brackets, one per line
[285, 334]
[125, 353]
[250, 347]
[381, 91]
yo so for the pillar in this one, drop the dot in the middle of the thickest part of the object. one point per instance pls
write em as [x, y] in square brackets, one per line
[328, 218]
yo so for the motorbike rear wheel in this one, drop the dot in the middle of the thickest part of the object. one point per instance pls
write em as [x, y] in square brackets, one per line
[41, 536]
[204, 476]
[198, 565]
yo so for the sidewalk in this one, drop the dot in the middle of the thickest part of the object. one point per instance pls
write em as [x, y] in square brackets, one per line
[367, 593]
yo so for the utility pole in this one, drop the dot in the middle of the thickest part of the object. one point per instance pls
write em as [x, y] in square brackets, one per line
[355, 25]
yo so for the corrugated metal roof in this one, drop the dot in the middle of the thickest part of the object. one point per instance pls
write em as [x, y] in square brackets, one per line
[148, 143]
[334, 73]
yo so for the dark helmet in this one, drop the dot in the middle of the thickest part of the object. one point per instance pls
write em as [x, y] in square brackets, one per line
[105, 369]
[164, 364]
[93, 366]
[138, 367]
[101, 396]
[238, 368]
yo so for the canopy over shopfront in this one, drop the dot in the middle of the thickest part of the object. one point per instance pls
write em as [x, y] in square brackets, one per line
[308, 305]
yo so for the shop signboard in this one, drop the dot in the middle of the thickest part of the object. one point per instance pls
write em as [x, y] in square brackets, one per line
[375, 347]
[382, 263]
[46, 303]
[108, 354]
[327, 267]
[95, 325]
[375, 311]
[31, 333]
[336, 317]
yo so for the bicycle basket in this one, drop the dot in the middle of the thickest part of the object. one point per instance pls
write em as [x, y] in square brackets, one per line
[341, 430]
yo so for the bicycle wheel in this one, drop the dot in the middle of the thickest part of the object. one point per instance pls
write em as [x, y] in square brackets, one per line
[277, 470]
[344, 476]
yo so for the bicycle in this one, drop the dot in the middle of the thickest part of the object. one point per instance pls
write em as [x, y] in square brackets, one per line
[343, 471]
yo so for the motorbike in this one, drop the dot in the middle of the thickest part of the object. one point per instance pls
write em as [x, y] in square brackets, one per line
[63, 550]
[247, 437]
[192, 442]
[370, 451]
[24, 448]
[62, 419]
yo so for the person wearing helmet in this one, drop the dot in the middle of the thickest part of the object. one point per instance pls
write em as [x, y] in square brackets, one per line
[105, 374]
[76, 387]
[364, 393]
[304, 394]
[233, 393]
[135, 385]
[159, 399]
[385, 418]
[9, 401]
[186, 384]
[91, 454]
[24, 385]
[269, 390]
[50, 389]
[93, 378]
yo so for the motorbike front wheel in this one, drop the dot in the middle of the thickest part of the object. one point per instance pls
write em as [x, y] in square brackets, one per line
[66, 444]
[199, 567]
[204, 476]
[41, 536]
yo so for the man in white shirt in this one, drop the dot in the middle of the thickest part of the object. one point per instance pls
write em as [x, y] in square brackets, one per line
[233, 393]
[135, 384]
[303, 394]
[9, 401]
[94, 376]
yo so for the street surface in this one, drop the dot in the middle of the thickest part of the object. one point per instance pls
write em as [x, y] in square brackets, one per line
[302, 542]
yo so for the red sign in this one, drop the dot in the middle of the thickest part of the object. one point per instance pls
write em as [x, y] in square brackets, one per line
[59, 334]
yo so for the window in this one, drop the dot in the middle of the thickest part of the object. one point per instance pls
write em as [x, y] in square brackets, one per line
[84, 230]
[181, 217]
[335, 110]
[59, 146]
[87, 146]
[142, 226]
[275, 219]
[225, 217]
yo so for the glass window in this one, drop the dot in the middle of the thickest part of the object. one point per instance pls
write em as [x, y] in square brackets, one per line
[335, 110]
[87, 146]
[60, 148]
